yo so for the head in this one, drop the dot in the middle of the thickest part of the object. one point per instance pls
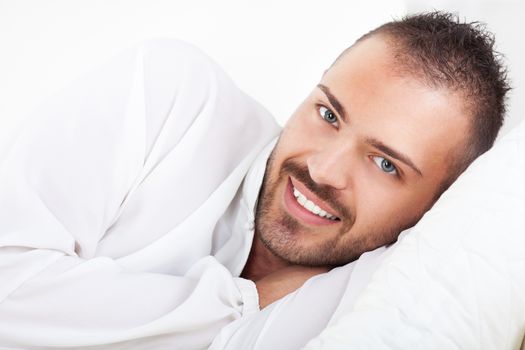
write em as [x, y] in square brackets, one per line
[391, 124]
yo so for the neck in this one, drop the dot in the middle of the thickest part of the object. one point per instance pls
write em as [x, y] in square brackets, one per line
[261, 261]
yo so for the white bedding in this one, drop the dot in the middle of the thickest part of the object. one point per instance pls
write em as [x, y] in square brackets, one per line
[117, 224]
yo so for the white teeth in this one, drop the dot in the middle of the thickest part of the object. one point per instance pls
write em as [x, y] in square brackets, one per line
[310, 206]
[302, 200]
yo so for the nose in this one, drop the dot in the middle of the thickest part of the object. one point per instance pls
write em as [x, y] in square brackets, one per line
[331, 166]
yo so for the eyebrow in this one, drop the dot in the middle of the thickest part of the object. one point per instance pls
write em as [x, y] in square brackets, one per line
[394, 154]
[333, 101]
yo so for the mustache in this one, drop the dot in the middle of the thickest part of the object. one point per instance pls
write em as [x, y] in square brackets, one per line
[325, 192]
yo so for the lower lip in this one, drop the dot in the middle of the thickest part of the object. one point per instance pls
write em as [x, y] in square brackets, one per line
[301, 213]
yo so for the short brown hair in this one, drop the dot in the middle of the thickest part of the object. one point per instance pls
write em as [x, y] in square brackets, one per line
[460, 56]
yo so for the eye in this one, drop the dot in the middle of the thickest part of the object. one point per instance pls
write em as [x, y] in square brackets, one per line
[385, 165]
[328, 115]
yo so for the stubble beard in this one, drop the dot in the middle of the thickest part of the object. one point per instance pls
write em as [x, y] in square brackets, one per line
[280, 232]
[283, 235]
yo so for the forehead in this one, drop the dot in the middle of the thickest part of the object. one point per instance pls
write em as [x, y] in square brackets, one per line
[399, 109]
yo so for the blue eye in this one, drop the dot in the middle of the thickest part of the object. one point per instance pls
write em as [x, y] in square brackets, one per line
[385, 165]
[328, 115]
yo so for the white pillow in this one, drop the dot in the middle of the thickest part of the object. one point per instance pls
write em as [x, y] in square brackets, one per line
[457, 281]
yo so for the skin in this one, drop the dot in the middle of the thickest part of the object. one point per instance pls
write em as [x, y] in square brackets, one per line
[370, 145]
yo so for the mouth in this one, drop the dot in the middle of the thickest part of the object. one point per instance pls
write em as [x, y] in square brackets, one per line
[306, 207]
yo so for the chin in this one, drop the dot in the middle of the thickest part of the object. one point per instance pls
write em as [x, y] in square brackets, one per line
[285, 239]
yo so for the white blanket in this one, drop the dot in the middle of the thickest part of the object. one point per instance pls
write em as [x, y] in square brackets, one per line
[116, 229]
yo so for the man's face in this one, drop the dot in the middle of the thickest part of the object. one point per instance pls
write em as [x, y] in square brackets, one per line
[361, 159]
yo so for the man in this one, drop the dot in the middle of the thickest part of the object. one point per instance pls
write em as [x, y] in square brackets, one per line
[124, 221]
[390, 126]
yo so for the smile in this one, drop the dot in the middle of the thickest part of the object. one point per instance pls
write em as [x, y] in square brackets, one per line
[310, 206]
[304, 206]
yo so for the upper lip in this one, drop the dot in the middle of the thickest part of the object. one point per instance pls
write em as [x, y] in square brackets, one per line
[313, 197]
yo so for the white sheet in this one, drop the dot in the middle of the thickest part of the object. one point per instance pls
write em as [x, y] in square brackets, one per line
[112, 203]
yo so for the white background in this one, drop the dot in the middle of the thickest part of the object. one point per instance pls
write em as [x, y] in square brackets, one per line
[274, 50]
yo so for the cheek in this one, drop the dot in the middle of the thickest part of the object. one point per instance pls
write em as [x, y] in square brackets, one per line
[385, 207]
[381, 201]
